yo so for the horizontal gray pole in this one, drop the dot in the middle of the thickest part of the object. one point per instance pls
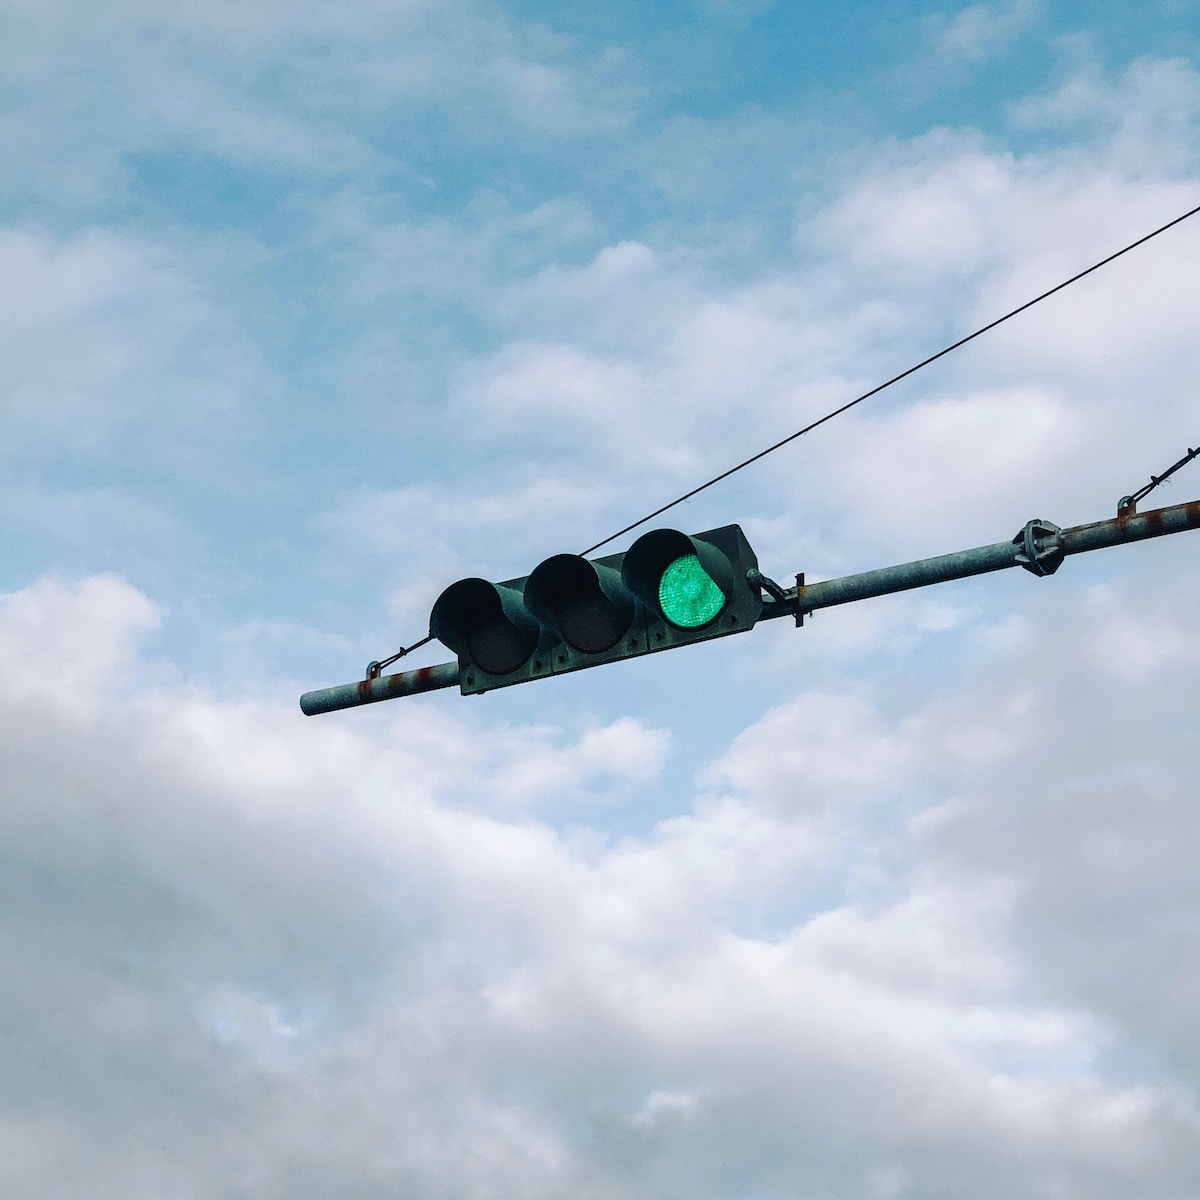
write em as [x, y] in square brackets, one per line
[1134, 528]
[386, 687]
[1079, 539]
[962, 564]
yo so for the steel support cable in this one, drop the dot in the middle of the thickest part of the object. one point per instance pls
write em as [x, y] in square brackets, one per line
[374, 668]
[1130, 503]
[895, 379]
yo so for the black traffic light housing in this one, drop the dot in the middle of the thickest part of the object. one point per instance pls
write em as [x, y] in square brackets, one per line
[668, 589]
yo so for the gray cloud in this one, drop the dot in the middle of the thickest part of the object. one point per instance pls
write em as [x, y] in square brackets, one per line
[922, 928]
[262, 955]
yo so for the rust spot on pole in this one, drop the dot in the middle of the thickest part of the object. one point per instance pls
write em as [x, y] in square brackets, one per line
[385, 687]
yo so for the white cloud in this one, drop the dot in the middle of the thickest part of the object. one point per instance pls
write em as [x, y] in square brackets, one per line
[831, 745]
[50, 634]
[313, 939]
[983, 31]
[550, 777]
[645, 366]
[65, 363]
[275, 87]
[935, 941]
[663, 1106]
[988, 449]
[929, 203]
[426, 536]
[895, 943]
[1149, 110]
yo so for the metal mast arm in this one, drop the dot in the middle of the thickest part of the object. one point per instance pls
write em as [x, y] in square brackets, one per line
[382, 687]
[1040, 548]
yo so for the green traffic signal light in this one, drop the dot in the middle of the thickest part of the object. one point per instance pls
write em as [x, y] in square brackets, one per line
[666, 590]
[688, 595]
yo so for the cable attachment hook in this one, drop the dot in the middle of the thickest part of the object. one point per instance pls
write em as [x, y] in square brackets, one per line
[374, 668]
[1127, 505]
[755, 578]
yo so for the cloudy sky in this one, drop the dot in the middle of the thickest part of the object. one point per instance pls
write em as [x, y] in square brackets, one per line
[310, 309]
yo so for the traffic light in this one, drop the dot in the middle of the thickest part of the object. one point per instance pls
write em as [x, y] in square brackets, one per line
[668, 589]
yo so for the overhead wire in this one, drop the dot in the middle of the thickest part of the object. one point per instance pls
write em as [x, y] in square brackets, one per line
[374, 668]
[894, 379]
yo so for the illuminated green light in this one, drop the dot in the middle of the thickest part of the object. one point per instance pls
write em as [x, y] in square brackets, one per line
[687, 594]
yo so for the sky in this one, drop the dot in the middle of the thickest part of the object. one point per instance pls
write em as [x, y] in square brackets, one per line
[309, 310]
